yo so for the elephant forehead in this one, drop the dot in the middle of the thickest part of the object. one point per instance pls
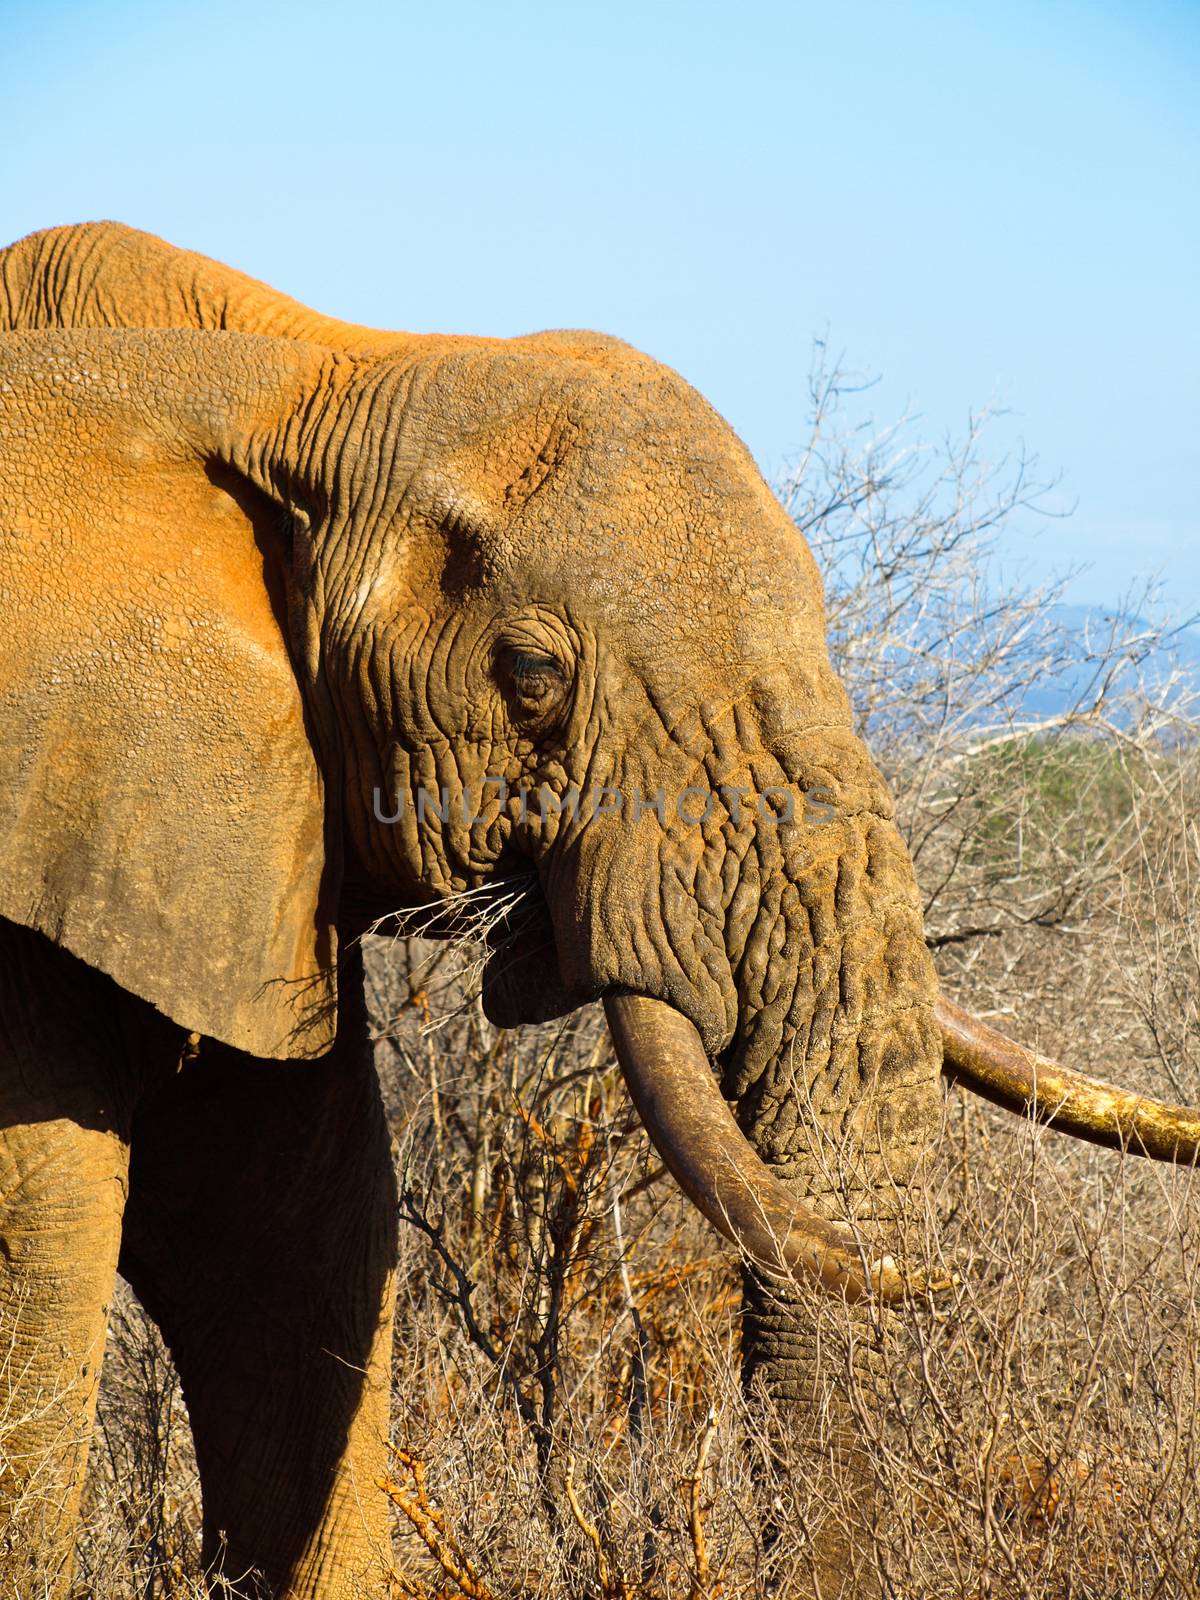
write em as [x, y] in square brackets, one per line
[656, 570]
[608, 425]
[610, 485]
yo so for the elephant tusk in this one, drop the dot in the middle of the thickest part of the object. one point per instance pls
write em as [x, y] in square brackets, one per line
[671, 1083]
[1020, 1080]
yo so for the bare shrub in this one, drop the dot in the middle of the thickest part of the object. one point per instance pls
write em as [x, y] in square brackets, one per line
[565, 1359]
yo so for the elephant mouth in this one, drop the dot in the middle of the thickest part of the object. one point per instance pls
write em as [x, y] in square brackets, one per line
[521, 979]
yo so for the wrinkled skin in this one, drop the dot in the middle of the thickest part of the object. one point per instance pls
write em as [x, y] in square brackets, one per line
[395, 564]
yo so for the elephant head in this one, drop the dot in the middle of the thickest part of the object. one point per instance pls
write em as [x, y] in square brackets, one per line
[317, 623]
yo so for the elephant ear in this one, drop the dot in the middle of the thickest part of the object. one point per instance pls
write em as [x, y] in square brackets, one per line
[161, 807]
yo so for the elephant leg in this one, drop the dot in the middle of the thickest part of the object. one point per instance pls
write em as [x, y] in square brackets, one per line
[67, 1087]
[260, 1235]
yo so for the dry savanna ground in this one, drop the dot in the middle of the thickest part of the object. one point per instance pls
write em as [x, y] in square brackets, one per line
[567, 1416]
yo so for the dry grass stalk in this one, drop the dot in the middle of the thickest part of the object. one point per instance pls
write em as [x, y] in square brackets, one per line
[430, 1524]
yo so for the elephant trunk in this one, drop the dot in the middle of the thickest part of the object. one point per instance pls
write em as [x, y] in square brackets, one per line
[694, 1131]
[823, 1370]
[1029, 1084]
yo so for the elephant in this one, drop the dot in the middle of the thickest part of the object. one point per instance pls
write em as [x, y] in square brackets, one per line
[305, 622]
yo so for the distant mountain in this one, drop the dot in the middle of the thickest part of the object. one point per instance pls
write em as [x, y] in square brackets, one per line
[1086, 632]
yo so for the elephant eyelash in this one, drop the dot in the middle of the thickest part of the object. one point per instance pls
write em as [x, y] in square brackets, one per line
[529, 669]
[535, 684]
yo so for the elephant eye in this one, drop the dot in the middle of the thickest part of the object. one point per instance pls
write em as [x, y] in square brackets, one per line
[535, 686]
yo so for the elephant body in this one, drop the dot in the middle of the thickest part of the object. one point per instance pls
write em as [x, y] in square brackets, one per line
[259, 569]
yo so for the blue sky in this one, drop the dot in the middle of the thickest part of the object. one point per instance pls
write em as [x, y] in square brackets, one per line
[981, 204]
